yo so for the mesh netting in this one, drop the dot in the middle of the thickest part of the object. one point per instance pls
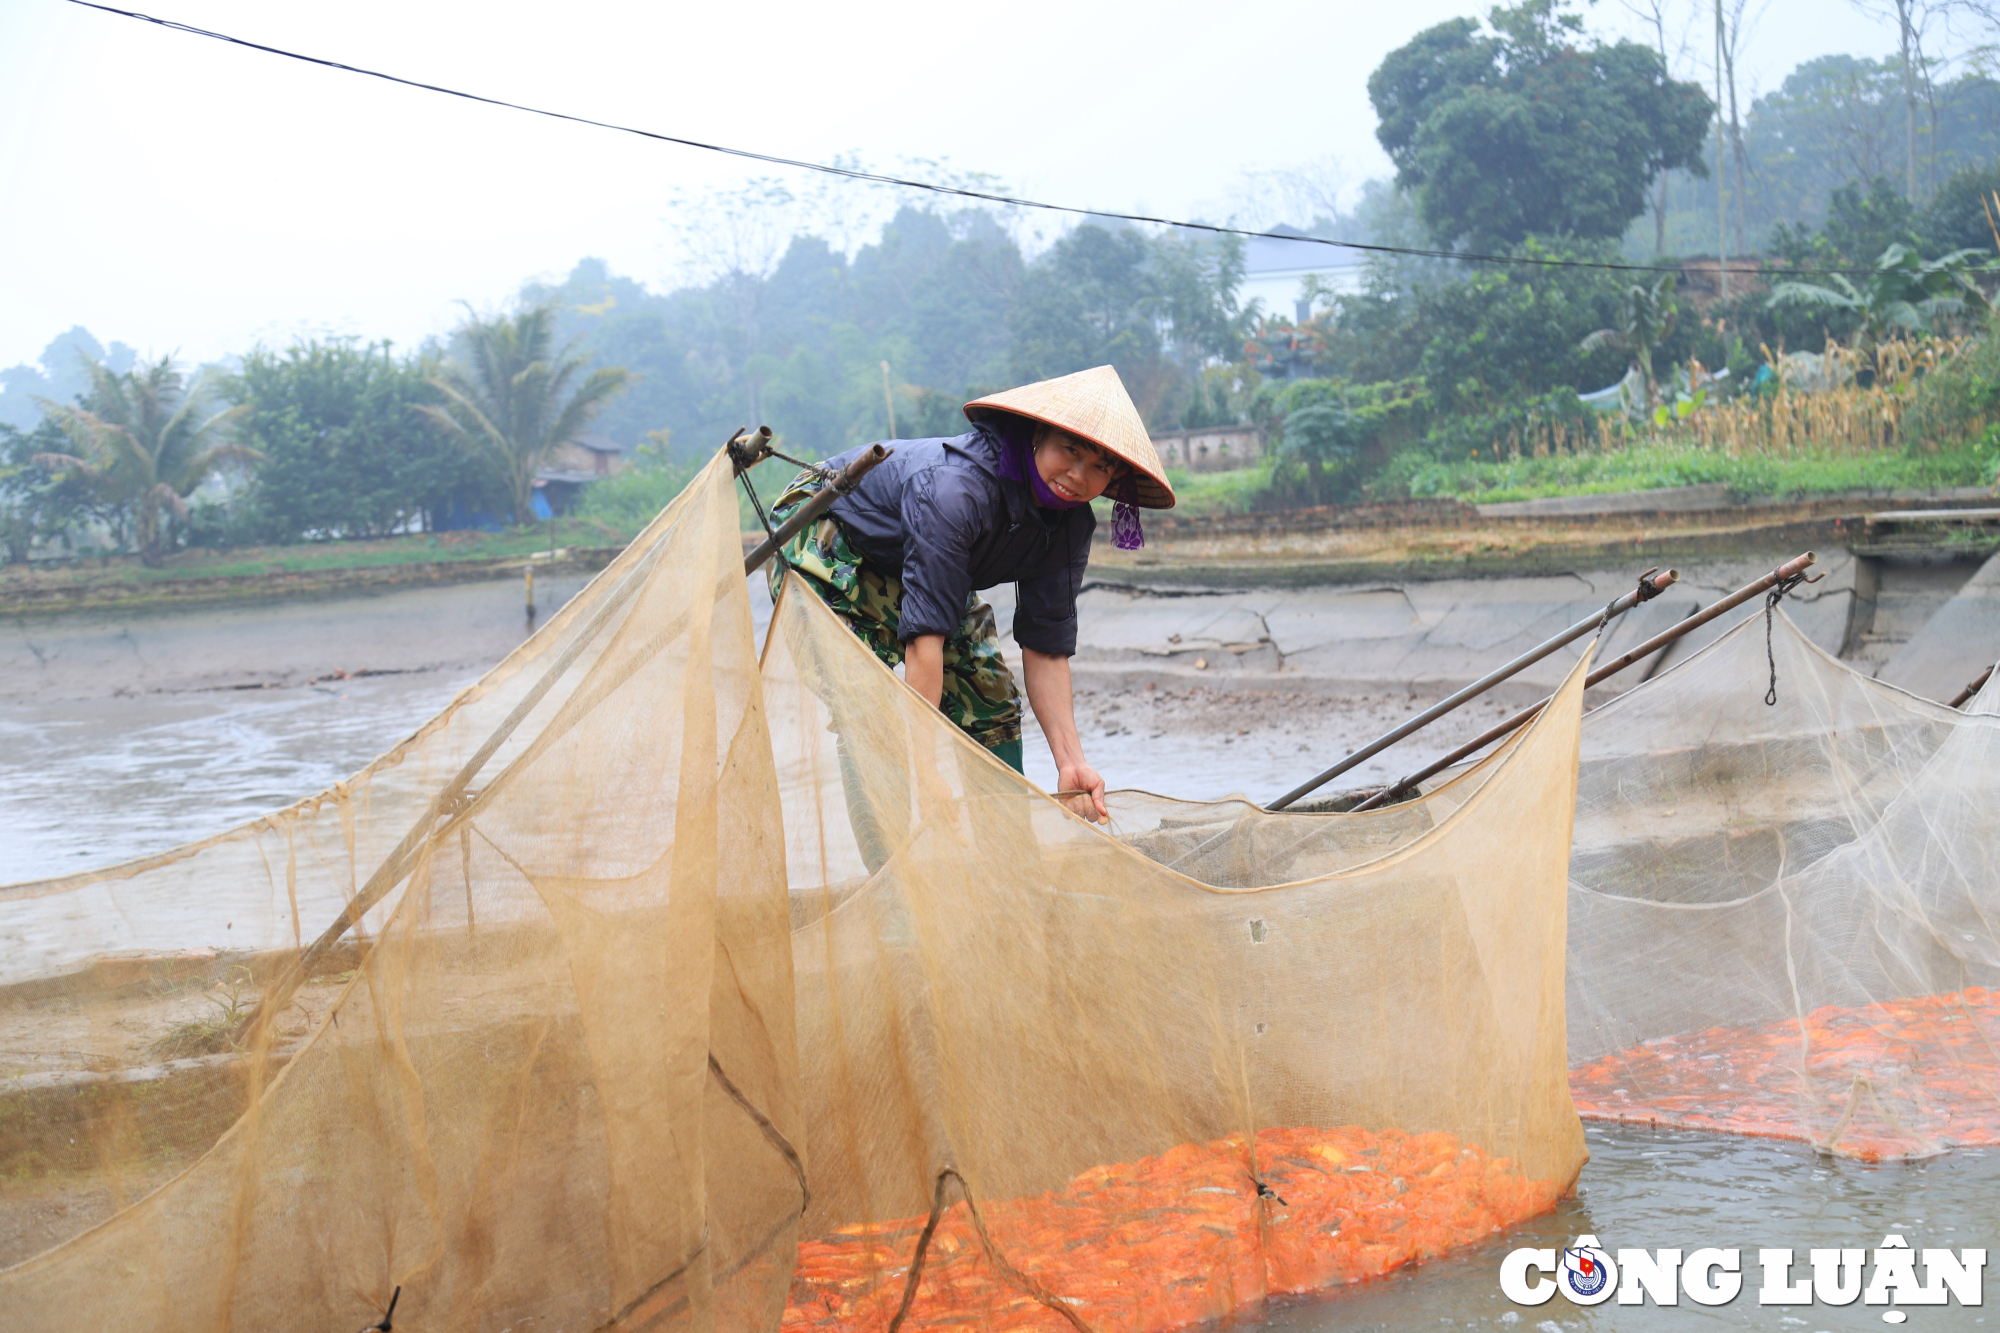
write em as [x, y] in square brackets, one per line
[1125, 1097]
[547, 1081]
[1782, 917]
[688, 992]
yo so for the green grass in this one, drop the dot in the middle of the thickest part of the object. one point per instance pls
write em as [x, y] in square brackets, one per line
[1651, 467]
[1200, 494]
[311, 557]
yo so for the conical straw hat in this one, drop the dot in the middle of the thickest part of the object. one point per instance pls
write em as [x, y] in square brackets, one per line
[1091, 405]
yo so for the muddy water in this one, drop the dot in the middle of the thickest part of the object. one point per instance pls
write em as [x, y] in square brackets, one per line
[95, 781]
[1653, 1189]
[98, 781]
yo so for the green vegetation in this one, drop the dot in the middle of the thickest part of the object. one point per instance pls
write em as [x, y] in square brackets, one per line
[143, 441]
[346, 452]
[1529, 129]
[1830, 147]
[508, 400]
[947, 300]
[1958, 404]
[1516, 134]
[1646, 315]
[1199, 494]
[38, 502]
[383, 553]
[629, 501]
[1905, 293]
[1644, 467]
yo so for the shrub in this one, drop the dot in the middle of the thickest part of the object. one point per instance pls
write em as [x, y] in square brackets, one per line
[1959, 402]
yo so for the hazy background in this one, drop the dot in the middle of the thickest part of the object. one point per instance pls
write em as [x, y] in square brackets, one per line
[184, 196]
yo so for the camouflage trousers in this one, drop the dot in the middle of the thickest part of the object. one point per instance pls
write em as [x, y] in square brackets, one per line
[979, 694]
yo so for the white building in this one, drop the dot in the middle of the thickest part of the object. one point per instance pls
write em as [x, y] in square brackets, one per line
[1275, 271]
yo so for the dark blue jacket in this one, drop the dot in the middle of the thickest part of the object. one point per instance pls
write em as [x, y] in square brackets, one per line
[938, 514]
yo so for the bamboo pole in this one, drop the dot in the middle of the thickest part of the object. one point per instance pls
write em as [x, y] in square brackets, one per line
[809, 512]
[1964, 696]
[1790, 569]
[1649, 588]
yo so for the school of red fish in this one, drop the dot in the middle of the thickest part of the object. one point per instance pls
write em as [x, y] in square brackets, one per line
[1173, 1240]
[1895, 1079]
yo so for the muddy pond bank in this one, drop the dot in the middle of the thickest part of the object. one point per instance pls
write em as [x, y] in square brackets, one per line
[127, 732]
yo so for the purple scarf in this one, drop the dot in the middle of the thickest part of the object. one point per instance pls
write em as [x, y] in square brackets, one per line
[1017, 463]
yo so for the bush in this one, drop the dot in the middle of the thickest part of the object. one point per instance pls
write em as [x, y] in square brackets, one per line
[346, 453]
[1959, 402]
[1512, 427]
[1330, 435]
[633, 498]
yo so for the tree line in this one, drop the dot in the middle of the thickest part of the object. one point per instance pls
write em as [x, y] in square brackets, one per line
[330, 438]
[1486, 123]
[337, 438]
[1519, 136]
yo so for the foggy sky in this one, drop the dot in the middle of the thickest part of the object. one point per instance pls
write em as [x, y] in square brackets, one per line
[184, 196]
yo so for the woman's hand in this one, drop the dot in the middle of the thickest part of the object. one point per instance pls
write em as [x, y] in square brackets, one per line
[1049, 695]
[1082, 777]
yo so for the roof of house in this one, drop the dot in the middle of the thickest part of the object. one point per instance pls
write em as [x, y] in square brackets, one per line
[1262, 254]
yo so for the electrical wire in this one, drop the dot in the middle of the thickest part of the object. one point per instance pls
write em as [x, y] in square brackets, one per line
[877, 178]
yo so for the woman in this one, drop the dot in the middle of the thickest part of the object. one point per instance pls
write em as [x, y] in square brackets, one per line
[903, 559]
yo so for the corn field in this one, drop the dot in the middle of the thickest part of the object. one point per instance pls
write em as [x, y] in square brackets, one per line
[1814, 408]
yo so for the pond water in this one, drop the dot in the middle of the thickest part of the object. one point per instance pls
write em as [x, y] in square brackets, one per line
[1652, 1189]
[95, 782]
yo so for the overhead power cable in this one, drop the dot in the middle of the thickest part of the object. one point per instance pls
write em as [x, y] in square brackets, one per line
[878, 178]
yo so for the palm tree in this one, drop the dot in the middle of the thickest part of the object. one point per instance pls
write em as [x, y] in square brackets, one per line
[147, 440]
[509, 403]
[1646, 315]
[1905, 292]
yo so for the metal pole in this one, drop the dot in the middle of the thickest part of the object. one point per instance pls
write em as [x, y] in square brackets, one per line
[1965, 695]
[1790, 568]
[1649, 588]
[747, 451]
[1721, 204]
[809, 512]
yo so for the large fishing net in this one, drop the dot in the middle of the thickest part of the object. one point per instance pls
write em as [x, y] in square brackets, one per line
[651, 986]
[1782, 916]
[547, 1081]
[1051, 1082]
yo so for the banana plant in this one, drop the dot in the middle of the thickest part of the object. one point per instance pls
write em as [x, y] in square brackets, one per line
[1683, 407]
[1905, 293]
[1647, 313]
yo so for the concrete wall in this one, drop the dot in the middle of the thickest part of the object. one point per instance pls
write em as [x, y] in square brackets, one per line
[1211, 449]
[1961, 640]
[89, 655]
[1426, 638]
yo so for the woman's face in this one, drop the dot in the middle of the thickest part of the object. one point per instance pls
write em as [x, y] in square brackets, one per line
[1071, 468]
